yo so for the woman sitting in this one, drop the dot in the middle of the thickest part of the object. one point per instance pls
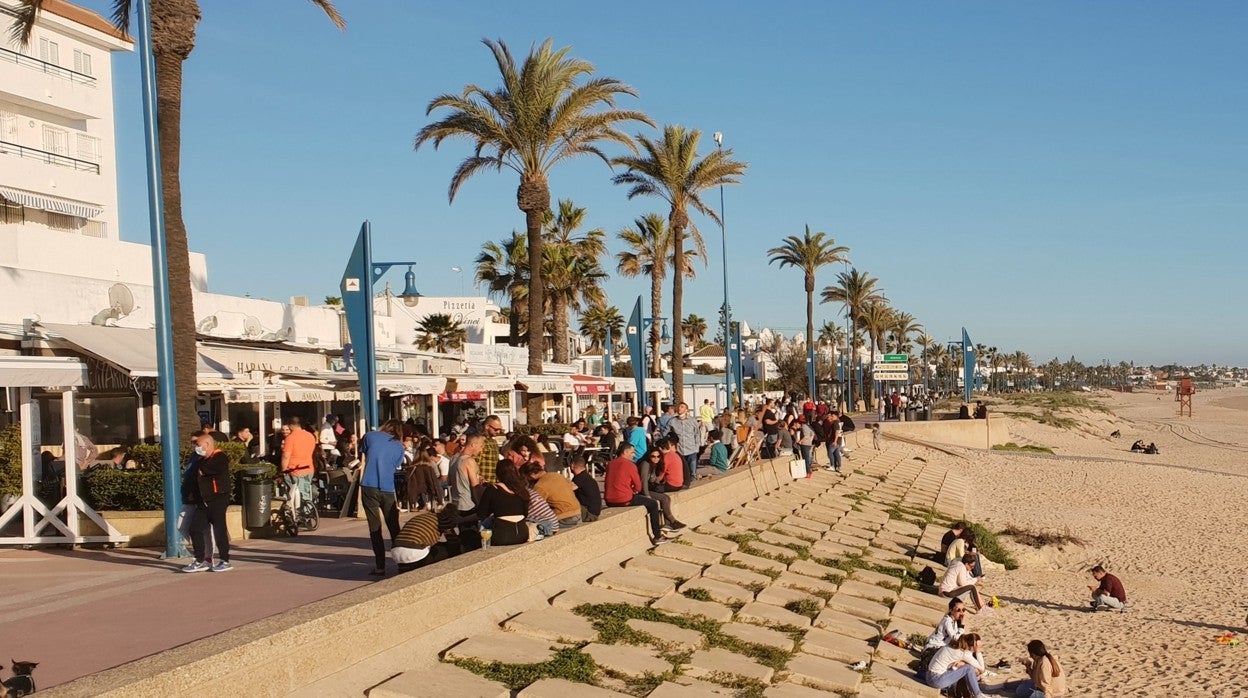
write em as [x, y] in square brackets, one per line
[957, 664]
[507, 503]
[1047, 679]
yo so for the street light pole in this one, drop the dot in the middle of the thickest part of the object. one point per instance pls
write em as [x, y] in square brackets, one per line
[167, 396]
[459, 270]
[723, 237]
[357, 301]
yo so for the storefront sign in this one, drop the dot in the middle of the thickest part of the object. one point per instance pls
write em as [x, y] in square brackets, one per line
[238, 360]
[102, 375]
[496, 354]
[588, 388]
[469, 396]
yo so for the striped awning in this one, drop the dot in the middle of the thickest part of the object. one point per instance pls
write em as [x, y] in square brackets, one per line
[44, 202]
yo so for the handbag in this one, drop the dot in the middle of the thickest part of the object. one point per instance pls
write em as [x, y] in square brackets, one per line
[797, 468]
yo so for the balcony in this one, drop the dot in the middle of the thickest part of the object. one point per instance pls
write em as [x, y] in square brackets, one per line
[45, 67]
[50, 158]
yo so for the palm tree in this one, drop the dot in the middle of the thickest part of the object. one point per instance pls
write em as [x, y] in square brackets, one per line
[904, 324]
[574, 275]
[808, 253]
[925, 342]
[671, 170]
[694, 328]
[649, 252]
[854, 289]
[831, 333]
[547, 110]
[441, 333]
[875, 318]
[503, 268]
[173, 39]
[599, 323]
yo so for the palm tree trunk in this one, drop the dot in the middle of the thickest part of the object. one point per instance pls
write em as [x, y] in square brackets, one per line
[678, 291]
[533, 197]
[656, 309]
[559, 304]
[173, 39]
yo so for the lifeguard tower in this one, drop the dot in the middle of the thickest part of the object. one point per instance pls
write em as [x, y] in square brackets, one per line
[1184, 394]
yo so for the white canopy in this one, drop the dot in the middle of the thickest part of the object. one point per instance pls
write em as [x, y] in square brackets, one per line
[480, 384]
[545, 384]
[41, 371]
[412, 385]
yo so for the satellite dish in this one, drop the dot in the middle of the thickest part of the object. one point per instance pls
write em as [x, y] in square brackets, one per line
[252, 327]
[207, 325]
[120, 304]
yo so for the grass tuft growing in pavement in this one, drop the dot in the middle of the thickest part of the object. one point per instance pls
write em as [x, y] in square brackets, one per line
[568, 663]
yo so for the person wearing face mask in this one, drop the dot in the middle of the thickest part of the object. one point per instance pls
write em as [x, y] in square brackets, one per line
[208, 520]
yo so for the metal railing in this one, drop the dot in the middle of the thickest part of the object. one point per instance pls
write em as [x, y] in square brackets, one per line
[50, 158]
[46, 67]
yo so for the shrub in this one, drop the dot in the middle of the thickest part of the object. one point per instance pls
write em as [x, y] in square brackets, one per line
[142, 489]
[11, 461]
[990, 546]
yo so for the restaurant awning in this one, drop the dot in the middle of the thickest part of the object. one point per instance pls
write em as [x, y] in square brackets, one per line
[591, 385]
[545, 384]
[129, 349]
[412, 385]
[41, 372]
[628, 385]
[479, 384]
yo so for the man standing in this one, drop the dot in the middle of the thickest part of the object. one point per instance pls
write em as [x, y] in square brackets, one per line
[771, 428]
[706, 415]
[1109, 595]
[250, 443]
[830, 436]
[208, 520]
[487, 463]
[636, 435]
[669, 413]
[688, 443]
[297, 448]
[382, 452]
[463, 478]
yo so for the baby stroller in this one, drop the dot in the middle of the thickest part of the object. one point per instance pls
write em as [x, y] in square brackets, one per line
[294, 513]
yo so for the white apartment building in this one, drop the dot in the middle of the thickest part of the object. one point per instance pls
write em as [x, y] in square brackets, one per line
[57, 148]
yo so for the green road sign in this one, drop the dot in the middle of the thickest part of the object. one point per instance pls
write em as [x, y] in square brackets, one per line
[896, 357]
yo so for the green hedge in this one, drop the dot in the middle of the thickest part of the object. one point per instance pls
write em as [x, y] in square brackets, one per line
[142, 489]
[11, 461]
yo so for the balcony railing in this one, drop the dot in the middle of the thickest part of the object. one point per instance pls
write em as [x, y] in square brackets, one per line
[46, 67]
[50, 158]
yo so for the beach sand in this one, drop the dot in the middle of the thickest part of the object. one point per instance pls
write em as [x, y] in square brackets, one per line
[1171, 526]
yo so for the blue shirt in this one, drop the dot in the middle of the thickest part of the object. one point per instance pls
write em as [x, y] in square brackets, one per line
[637, 437]
[384, 455]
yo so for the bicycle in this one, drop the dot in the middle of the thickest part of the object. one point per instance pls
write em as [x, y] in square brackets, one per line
[295, 513]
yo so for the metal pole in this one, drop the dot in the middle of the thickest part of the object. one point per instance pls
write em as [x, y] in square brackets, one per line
[723, 238]
[167, 388]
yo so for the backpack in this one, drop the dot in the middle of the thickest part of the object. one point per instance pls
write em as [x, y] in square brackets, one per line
[927, 577]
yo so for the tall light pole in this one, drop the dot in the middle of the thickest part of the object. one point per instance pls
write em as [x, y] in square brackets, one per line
[723, 238]
[849, 344]
[459, 270]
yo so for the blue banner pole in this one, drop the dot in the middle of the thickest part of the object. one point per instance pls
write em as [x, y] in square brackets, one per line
[357, 303]
[968, 364]
[637, 349]
[170, 443]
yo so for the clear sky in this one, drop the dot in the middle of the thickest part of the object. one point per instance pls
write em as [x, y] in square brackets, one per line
[1060, 177]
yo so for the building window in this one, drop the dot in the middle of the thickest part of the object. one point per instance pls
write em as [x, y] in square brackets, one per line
[56, 140]
[60, 221]
[11, 212]
[8, 127]
[82, 62]
[88, 148]
[49, 52]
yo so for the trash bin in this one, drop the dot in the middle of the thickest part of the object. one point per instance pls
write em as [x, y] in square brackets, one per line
[911, 414]
[925, 414]
[257, 491]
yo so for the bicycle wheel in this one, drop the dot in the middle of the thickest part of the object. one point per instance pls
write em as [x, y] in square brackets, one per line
[309, 517]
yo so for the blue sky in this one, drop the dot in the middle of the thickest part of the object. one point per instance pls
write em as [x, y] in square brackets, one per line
[1061, 178]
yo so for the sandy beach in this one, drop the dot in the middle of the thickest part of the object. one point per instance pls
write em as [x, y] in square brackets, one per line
[1169, 525]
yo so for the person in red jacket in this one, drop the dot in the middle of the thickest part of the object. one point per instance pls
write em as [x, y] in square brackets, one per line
[623, 489]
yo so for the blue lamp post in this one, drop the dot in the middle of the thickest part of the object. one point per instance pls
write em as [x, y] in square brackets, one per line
[357, 301]
[723, 237]
[635, 333]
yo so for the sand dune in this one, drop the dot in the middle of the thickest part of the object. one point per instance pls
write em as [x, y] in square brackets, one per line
[1170, 525]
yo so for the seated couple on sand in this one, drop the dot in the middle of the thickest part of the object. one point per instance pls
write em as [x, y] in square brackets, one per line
[1139, 447]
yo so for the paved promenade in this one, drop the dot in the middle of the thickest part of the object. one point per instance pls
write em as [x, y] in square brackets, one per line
[777, 597]
[79, 612]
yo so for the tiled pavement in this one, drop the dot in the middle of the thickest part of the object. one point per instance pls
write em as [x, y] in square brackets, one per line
[801, 578]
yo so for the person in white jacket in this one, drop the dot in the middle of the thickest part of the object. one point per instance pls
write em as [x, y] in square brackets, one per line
[960, 661]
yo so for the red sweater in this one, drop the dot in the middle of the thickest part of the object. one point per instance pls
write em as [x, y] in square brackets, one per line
[622, 481]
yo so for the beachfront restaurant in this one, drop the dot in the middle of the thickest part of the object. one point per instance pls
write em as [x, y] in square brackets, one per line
[473, 397]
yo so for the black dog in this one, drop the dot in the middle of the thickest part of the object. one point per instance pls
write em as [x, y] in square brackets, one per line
[22, 682]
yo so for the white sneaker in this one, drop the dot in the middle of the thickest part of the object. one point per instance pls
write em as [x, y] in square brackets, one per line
[197, 567]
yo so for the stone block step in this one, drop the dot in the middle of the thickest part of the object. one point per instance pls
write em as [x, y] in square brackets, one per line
[768, 550]
[553, 625]
[756, 635]
[822, 673]
[833, 549]
[847, 624]
[561, 688]
[781, 539]
[723, 592]
[803, 582]
[877, 578]
[793, 690]
[810, 568]
[507, 648]
[799, 521]
[664, 567]
[741, 522]
[679, 605]
[586, 594]
[757, 514]
[755, 562]
[920, 614]
[830, 645]
[884, 675]
[705, 664]
[695, 689]
[898, 657]
[687, 553]
[871, 690]
[869, 610]
[922, 598]
[712, 543]
[804, 536]
[778, 595]
[736, 575]
[908, 627]
[771, 616]
[627, 660]
[863, 590]
[718, 529]
[634, 582]
[668, 634]
[439, 680]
